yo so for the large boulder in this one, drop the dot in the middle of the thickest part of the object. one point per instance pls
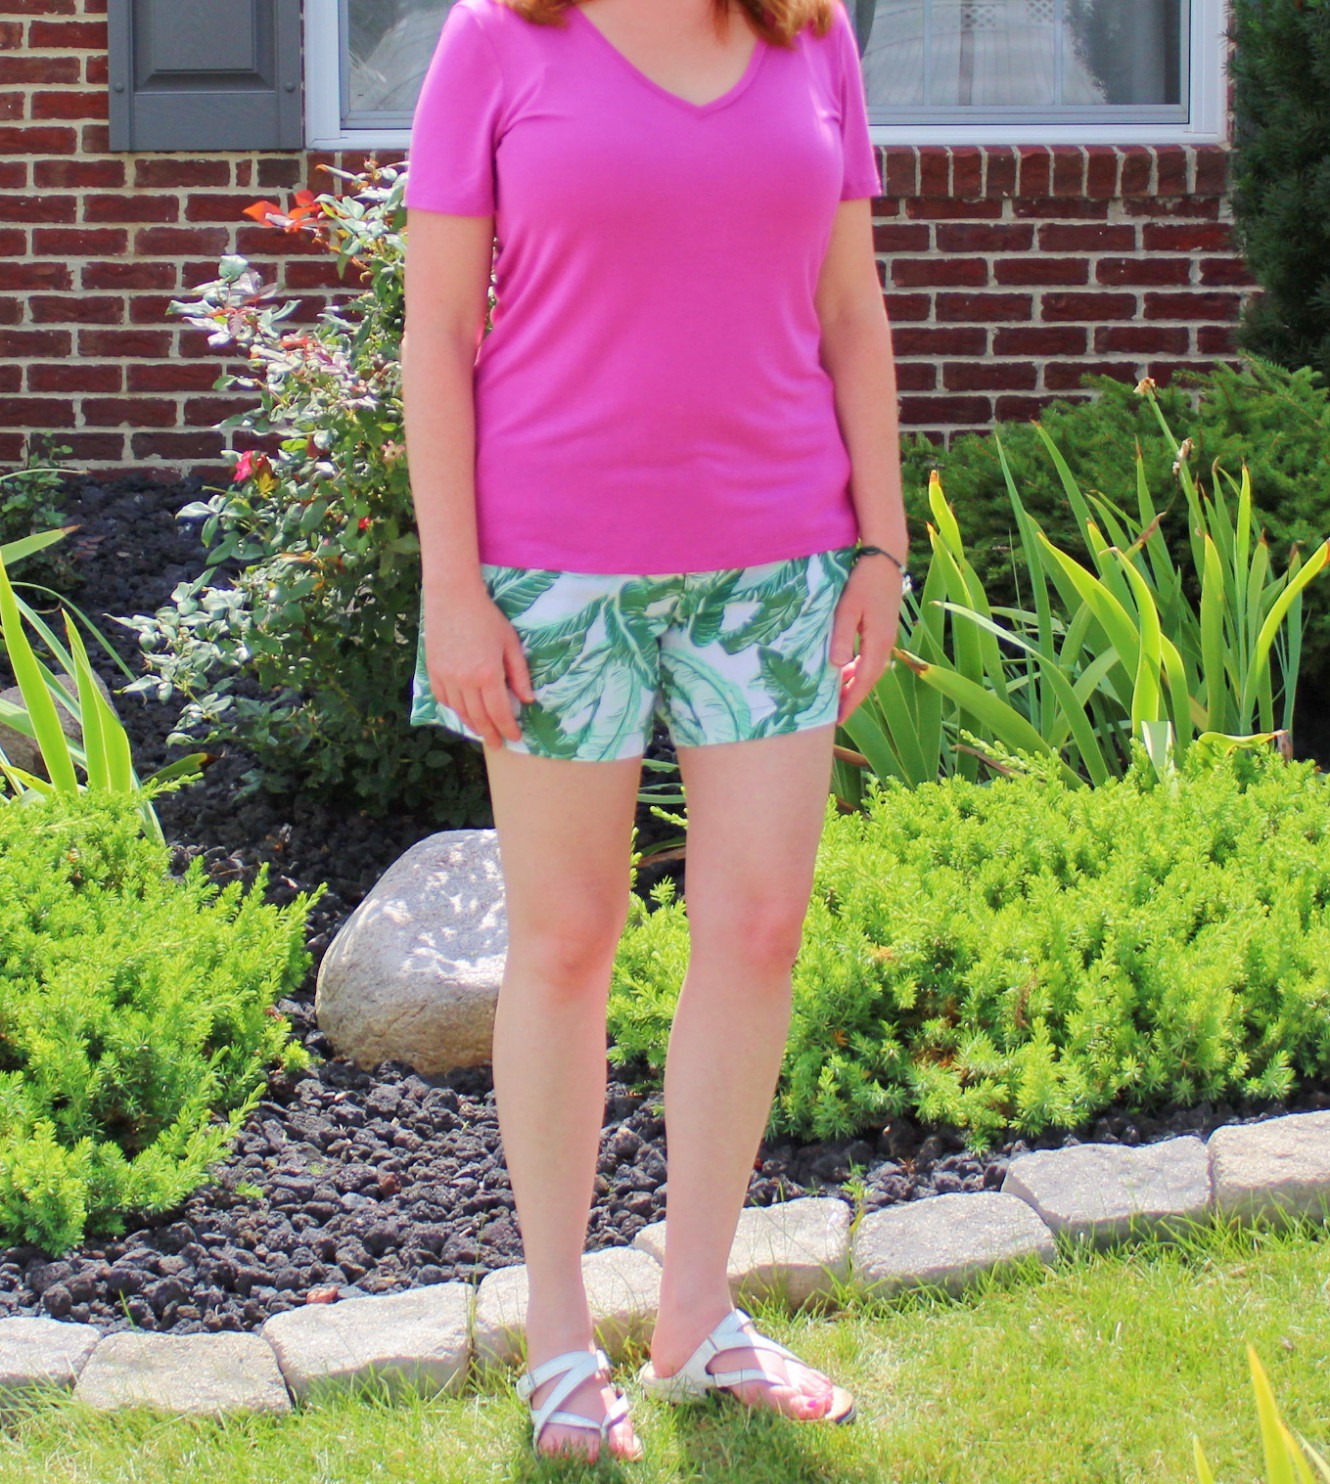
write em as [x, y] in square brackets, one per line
[22, 751]
[414, 973]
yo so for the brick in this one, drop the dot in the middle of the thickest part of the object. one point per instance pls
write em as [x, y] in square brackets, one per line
[1226, 273]
[152, 309]
[20, 275]
[11, 35]
[76, 309]
[934, 172]
[277, 171]
[1060, 208]
[1039, 340]
[1068, 170]
[118, 343]
[219, 206]
[967, 172]
[96, 70]
[170, 376]
[37, 412]
[43, 139]
[11, 105]
[104, 448]
[172, 171]
[204, 412]
[1011, 409]
[900, 236]
[1062, 376]
[52, 104]
[946, 340]
[11, 378]
[1212, 166]
[1192, 208]
[938, 209]
[969, 410]
[317, 273]
[78, 174]
[75, 376]
[985, 236]
[1146, 272]
[129, 275]
[180, 240]
[1214, 339]
[1101, 171]
[989, 376]
[1036, 170]
[45, 71]
[1141, 340]
[34, 342]
[255, 241]
[910, 273]
[14, 175]
[1186, 237]
[37, 208]
[14, 243]
[1088, 306]
[1072, 237]
[1193, 306]
[40, 7]
[985, 308]
[1171, 163]
[181, 448]
[127, 207]
[908, 306]
[88, 36]
[1038, 269]
[915, 376]
[94, 139]
[1137, 170]
[10, 311]
[133, 412]
[80, 242]
[1000, 171]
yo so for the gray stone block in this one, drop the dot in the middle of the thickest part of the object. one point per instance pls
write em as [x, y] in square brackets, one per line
[1274, 1169]
[211, 1374]
[418, 1340]
[623, 1293]
[793, 1251]
[38, 1353]
[1103, 1193]
[945, 1240]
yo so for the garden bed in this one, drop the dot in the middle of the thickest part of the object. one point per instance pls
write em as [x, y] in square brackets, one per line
[345, 1181]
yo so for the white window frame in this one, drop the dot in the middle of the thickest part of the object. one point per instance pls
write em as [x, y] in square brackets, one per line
[1207, 122]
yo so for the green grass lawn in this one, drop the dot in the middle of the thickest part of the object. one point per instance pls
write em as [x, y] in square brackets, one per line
[1100, 1369]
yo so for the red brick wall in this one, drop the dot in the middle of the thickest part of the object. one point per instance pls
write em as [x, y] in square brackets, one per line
[1008, 272]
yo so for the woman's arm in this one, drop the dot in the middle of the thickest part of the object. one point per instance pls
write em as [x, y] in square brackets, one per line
[446, 284]
[856, 351]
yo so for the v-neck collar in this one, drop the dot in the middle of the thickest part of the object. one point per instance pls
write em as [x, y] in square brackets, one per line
[749, 73]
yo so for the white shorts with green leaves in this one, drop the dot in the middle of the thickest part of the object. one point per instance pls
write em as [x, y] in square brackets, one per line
[720, 656]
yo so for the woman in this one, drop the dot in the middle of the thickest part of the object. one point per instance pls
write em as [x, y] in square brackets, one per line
[634, 498]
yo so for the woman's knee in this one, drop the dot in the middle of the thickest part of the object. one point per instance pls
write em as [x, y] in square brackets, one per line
[760, 928]
[570, 939]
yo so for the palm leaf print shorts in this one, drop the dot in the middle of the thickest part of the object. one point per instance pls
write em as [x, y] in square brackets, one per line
[720, 656]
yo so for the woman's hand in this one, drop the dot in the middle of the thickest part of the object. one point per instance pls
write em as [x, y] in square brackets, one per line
[869, 606]
[473, 657]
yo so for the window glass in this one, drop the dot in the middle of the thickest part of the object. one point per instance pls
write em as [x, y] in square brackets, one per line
[389, 44]
[988, 59]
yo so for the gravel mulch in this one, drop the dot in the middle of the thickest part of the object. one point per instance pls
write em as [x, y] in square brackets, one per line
[346, 1182]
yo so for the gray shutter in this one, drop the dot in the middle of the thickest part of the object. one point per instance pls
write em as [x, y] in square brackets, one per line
[205, 74]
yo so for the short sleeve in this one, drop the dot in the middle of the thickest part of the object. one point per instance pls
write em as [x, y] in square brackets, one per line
[450, 163]
[862, 176]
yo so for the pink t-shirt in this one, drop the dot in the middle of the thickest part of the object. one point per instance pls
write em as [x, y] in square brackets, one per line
[650, 397]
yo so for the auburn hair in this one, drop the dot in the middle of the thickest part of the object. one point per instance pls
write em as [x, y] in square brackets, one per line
[776, 21]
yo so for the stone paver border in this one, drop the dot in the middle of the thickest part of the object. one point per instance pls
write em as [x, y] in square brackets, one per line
[799, 1252]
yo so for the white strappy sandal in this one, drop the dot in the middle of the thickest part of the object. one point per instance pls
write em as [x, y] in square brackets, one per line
[692, 1380]
[575, 1366]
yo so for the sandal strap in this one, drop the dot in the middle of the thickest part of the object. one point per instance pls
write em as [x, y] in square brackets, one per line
[574, 1367]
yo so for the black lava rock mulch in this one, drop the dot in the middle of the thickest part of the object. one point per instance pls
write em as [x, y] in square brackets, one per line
[346, 1182]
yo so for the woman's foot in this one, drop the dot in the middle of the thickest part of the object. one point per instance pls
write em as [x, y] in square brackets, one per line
[800, 1391]
[592, 1398]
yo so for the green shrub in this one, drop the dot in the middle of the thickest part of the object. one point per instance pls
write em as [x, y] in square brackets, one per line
[136, 1015]
[1276, 421]
[323, 610]
[30, 502]
[1019, 955]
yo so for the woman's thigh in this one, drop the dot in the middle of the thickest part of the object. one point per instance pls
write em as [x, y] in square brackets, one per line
[755, 815]
[565, 833]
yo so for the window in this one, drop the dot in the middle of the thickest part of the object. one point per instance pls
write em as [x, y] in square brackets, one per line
[935, 71]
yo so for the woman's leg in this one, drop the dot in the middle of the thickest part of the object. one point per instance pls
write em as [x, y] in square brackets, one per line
[755, 813]
[564, 829]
